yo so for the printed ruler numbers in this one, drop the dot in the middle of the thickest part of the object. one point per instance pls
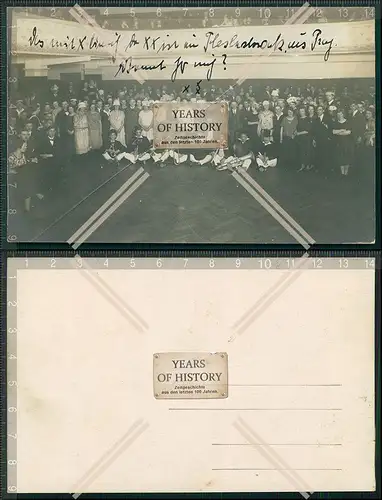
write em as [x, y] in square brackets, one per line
[79, 262]
[13, 266]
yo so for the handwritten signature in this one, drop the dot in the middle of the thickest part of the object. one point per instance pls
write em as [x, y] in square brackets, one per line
[213, 41]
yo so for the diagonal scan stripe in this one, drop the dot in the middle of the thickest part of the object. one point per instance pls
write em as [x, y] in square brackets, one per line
[299, 17]
[105, 206]
[83, 18]
[56, 221]
[270, 296]
[274, 458]
[110, 295]
[110, 211]
[109, 457]
[277, 207]
[288, 227]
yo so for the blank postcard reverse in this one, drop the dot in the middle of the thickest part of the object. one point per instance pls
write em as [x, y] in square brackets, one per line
[192, 380]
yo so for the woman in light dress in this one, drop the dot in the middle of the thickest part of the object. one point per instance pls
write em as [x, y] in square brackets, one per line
[81, 130]
[95, 128]
[146, 121]
[117, 122]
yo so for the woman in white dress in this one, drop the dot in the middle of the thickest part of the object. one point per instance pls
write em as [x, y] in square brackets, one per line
[117, 122]
[146, 121]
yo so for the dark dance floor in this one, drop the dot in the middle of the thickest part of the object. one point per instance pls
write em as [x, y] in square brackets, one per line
[197, 204]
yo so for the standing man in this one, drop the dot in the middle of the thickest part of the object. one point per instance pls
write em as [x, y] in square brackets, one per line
[235, 123]
[358, 123]
[54, 94]
[322, 133]
[50, 159]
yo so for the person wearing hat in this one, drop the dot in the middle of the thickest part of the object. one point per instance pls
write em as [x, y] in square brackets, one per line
[265, 119]
[117, 122]
[81, 130]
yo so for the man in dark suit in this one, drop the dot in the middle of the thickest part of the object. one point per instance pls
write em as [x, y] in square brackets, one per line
[60, 121]
[235, 123]
[54, 94]
[358, 125]
[51, 157]
[71, 93]
[49, 145]
[29, 137]
[322, 133]
[358, 122]
[105, 113]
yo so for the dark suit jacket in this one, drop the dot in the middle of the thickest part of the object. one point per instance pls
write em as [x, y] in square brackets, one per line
[32, 148]
[131, 121]
[45, 146]
[235, 122]
[140, 145]
[54, 97]
[61, 123]
[358, 123]
[322, 130]
[105, 126]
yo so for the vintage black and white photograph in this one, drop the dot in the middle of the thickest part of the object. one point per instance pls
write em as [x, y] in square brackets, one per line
[201, 125]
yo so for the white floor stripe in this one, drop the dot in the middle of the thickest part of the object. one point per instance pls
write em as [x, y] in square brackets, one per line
[106, 205]
[110, 211]
[271, 210]
[277, 207]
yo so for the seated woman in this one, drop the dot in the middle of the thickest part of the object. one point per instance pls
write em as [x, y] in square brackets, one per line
[113, 148]
[26, 176]
[242, 157]
[138, 149]
[267, 156]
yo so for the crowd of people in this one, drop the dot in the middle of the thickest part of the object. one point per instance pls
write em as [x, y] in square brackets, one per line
[300, 128]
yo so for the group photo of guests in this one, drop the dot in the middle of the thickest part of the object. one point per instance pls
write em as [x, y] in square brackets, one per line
[297, 126]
